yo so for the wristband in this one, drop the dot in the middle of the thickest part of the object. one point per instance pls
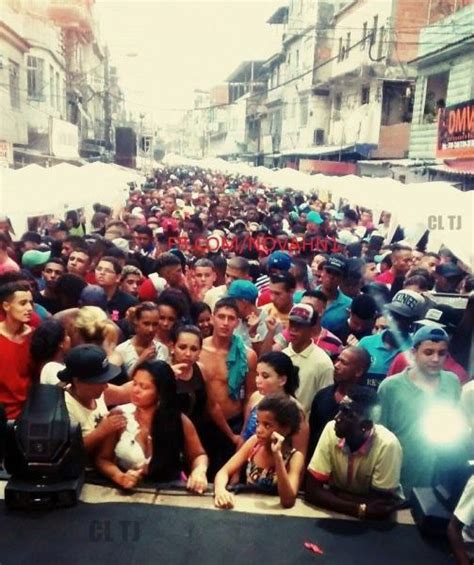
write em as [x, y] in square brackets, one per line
[362, 511]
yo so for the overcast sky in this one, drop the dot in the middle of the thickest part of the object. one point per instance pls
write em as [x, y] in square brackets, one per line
[166, 49]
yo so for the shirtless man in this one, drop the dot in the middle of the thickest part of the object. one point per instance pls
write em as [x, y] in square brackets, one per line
[214, 358]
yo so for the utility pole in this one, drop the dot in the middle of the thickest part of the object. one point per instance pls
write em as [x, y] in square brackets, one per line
[107, 103]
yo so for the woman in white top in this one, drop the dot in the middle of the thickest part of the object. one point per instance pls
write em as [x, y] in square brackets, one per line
[143, 346]
[158, 441]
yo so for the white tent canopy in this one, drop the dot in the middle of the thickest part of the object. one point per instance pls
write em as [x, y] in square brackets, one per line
[36, 191]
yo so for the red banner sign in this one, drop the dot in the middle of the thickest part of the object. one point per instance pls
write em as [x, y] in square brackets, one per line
[456, 131]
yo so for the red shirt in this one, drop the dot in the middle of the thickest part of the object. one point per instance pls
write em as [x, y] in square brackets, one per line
[15, 374]
[386, 278]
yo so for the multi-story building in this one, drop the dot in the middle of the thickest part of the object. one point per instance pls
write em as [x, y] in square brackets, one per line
[443, 111]
[13, 99]
[88, 74]
[37, 85]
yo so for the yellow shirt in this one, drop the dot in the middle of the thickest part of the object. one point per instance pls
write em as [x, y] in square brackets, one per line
[374, 466]
[272, 312]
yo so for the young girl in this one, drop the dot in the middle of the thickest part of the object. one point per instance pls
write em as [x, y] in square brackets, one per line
[272, 462]
[202, 318]
[143, 346]
[276, 374]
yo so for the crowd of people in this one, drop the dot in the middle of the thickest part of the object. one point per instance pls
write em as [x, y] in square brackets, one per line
[215, 330]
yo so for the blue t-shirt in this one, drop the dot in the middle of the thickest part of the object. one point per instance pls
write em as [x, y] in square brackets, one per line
[337, 312]
[381, 358]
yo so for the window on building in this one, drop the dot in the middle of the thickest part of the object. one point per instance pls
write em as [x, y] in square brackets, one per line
[303, 111]
[348, 43]
[375, 25]
[337, 101]
[365, 95]
[52, 90]
[58, 92]
[435, 96]
[364, 35]
[397, 102]
[34, 71]
[14, 71]
[297, 60]
[318, 137]
[340, 55]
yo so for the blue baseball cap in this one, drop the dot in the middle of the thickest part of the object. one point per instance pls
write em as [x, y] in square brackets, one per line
[93, 295]
[314, 217]
[279, 260]
[243, 290]
[429, 333]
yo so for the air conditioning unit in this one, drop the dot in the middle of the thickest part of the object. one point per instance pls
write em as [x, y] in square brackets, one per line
[318, 137]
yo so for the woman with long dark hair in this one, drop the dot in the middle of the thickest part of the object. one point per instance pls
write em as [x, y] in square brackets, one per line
[276, 374]
[157, 436]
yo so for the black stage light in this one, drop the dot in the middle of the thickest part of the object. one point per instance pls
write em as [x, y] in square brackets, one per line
[44, 453]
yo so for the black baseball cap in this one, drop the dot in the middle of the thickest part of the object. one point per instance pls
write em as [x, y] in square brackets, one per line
[337, 263]
[89, 364]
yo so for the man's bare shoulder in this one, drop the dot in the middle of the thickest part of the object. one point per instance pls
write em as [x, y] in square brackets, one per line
[251, 357]
[208, 346]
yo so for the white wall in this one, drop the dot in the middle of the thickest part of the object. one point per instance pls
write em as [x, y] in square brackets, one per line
[356, 123]
[352, 22]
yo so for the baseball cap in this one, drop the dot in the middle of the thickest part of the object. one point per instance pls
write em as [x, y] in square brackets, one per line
[243, 290]
[442, 315]
[35, 258]
[93, 295]
[89, 364]
[449, 270]
[429, 333]
[279, 260]
[381, 257]
[314, 217]
[337, 263]
[407, 303]
[302, 314]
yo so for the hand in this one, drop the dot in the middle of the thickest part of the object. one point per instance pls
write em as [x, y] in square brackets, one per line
[224, 499]
[129, 479]
[112, 423]
[252, 322]
[271, 324]
[352, 340]
[148, 354]
[197, 481]
[178, 369]
[277, 442]
[238, 441]
[380, 509]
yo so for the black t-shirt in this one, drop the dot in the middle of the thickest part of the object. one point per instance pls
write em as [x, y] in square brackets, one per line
[52, 305]
[323, 409]
[118, 305]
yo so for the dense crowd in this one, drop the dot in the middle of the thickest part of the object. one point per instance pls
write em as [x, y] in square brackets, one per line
[215, 330]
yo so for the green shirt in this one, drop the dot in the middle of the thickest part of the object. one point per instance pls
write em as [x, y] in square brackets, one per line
[403, 406]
